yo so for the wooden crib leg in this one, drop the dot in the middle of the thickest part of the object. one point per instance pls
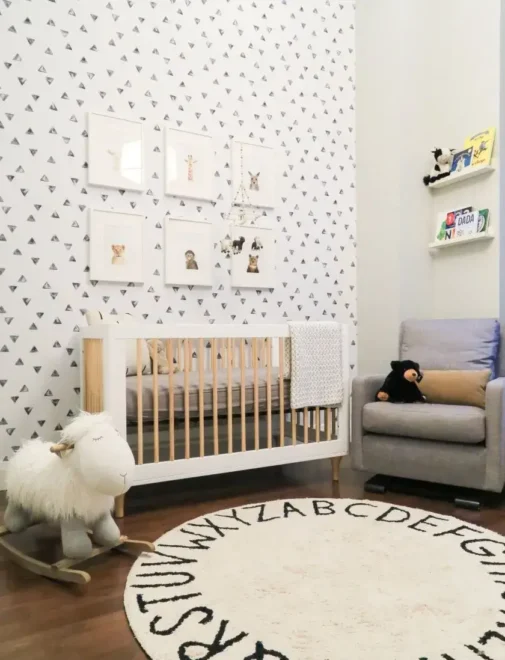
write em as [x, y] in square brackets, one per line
[335, 467]
[119, 506]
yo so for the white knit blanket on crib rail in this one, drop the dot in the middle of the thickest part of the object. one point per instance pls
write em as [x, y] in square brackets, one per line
[313, 358]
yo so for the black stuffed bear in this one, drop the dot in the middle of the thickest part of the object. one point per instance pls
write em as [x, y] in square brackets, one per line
[400, 385]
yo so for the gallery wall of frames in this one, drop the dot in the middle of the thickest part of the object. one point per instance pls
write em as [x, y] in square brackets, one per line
[127, 128]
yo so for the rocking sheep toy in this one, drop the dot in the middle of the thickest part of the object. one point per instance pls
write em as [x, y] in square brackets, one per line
[72, 483]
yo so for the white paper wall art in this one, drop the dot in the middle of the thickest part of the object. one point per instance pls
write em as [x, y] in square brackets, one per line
[116, 246]
[115, 152]
[189, 164]
[188, 252]
[254, 166]
[253, 259]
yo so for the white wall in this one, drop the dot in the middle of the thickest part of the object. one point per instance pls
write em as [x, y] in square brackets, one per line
[264, 70]
[416, 90]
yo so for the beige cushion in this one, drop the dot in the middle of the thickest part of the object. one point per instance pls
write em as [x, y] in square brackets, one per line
[94, 317]
[458, 388]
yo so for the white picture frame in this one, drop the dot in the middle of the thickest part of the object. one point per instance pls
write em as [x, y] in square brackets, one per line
[255, 165]
[253, 258]
[188, 252]
[189, 164]
[116, 246]
[115, 152]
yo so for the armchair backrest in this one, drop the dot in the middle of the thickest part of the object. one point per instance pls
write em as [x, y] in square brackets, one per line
[452, 344]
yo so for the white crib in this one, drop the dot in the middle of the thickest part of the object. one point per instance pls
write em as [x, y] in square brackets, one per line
[225, 409]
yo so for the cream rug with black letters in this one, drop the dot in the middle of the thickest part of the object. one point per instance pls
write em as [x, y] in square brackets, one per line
[321, 579]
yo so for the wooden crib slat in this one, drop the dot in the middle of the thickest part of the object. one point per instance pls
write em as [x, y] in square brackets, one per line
[201, 365]
[305, 426]
[187, 358]
[318, 424]
[242, 394]
[256, 393]
[281, 391]
[179, 352]
[268, 360]
[230, 401]
[293, 425]
[214, 395]
[328, 424]
[171, 414]
[140, 420]
[232, 346]
[156, 414]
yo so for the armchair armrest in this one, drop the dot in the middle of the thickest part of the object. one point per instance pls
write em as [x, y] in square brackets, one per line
[495, 435]
[364, 389]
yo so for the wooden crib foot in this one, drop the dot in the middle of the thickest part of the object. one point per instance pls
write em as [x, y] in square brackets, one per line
[119, 506]
[335, 467]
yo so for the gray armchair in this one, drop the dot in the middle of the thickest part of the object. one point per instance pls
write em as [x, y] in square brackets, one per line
[460, 446]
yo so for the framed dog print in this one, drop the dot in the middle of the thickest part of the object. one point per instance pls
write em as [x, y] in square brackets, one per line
[115, 152]
[254, 170]
[188, 252]
[116, 246]
[253, 258]
[189, 164]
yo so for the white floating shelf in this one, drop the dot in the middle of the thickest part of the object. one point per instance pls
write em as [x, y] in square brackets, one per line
[457, 177]
[439, 245]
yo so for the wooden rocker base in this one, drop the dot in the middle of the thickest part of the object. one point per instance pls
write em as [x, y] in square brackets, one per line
[64, 570]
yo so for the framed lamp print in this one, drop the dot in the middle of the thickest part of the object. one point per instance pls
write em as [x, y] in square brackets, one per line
[189, 164]
[188, 252]
[116, 246]
[253, 258]
[254, 174]
[115, 152]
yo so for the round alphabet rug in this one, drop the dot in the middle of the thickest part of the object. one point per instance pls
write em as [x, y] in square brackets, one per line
[321, 579]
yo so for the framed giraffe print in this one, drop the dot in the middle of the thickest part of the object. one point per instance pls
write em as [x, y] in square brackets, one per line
[189, 164]
[116, 246]
[254, 173]
[115, 152]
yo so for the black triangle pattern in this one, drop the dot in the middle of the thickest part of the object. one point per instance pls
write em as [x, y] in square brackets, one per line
[276, 71]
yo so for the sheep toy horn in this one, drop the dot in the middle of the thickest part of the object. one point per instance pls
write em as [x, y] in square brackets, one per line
[57, 449]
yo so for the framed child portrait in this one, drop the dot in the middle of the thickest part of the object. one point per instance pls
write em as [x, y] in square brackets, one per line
[116, 246]
[188, 252]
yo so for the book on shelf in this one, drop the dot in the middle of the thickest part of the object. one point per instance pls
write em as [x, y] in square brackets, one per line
[482, 145]
[461, 160]
[462, 223]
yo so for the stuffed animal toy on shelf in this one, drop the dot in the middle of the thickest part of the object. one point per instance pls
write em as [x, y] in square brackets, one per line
[442, 166]
[72, 483]
[400, 385]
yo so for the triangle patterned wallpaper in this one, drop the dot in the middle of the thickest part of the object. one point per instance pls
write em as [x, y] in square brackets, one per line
[278, 71]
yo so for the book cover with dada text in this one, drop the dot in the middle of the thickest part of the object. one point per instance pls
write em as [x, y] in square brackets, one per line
[463, 223]
[447, 227]
[461, 160]
[482, 144]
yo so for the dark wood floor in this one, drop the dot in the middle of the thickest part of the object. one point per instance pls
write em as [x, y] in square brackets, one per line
[40, 619]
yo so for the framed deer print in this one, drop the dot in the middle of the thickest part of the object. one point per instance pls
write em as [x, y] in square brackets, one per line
[115, 152]
[189, 164]
[116, 246]
[188, 252]
[253, 258]
[254, 170]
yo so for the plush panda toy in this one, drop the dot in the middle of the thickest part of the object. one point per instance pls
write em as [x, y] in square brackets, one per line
[442, 167]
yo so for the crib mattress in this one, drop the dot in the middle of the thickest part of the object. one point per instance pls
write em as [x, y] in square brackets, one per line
[222, 393]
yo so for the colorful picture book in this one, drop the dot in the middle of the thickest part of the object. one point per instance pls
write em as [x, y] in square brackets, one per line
[461, 159]
[482, 145]
[462, 223]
